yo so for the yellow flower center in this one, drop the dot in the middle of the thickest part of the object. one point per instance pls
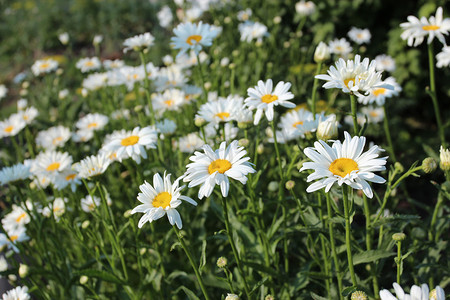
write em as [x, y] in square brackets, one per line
[197, 38]
[162, 200]
[89, 64]
[71, 176]
[19, 218]
[129, 141]
[9, 129]
[219, 165]
[433, 295]
[430, 27]
[269, 98]
[343, 166]
[53, 166]
[168, 102]
[346, 81]
[135, 76]
[379, 91]
[93, 124]
[56, 140]
[297, 123]
[25, 117]
[14, 238]
[222, 115]
[373, 114]
[45, 65]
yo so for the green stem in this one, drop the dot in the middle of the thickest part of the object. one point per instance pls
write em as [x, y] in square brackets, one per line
[399, 260]
[147, 89]
[433, 94]
[333, 247]
[280, 168]
[322, 243]
[431, 230]
[354, 109]
[348, 233]
[202, 78]
[313, 96]
[230, 283]
[191, 260]
[233, 246]
[388, 134]
[369, 244]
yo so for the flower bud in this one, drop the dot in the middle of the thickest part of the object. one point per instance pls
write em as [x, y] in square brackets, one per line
[322, 53]
[444, 157]
[273, 186]
[269, 297]
[399, 167]
[277, 20]
[290, 184]
[84, 279]
[85, 224]
[429, 165]
[400, 236]
[359, 295]
[243, 142]
[232, 297]
[327, 129]
[260, 149]
[142, 251]
[222, 262]
[127, 214]
[23, 270]
[227, 20]
[199, 122]
[446, 186]
[207, 85]
[97, 39]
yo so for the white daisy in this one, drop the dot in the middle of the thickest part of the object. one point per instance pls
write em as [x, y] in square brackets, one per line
[139, 42]
[291, 120]
[53, 137]
[340, 47]
[222, 110]
[171, 100]
[166, 126]
[92, 165]
[359, 36]
[354, 76]
[165, 16]
[190, 143]
[17, 235]
[160, 199]
[57, 208]
[64, 38]
[374, 114]
[416, 30]
[22, 104]
[12, 126]
[44, 66]
[379, 95]
[385, 63]
[50, 163]
[18, 217]
[133, 143]
[443, 57]
[264, 98]
[88, 64]
[190, 36]
[62, 94]
[3, 91]
[82, 135]
[252, 31]
[416, 292]
[3, 265]
[344, 163]
[65, 178]
[113, 64]
[92, 122]
[17, 172]
[305, 8]
[170, 77]
[215, 134]
[88, 204]
[244, 15]
[95, 81]
[215, 167]
[29, 114]
[18, 293]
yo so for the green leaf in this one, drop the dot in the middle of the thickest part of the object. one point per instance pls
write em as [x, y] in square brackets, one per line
[203, 257]
[189, 293]
[100, 274]
[348, 290]
[370, 256]
[260, 283]
[261, 268]
[396, 219]
[317, 297]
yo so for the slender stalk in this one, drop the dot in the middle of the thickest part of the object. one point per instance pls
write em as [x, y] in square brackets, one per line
[147, 88]
[348, 233]
[399, 260]
[313, 96]
[434, 95]
[202, 78]
[354, 109]
[388, 134]
[369, 244]
[191, 260]
[280, 168]
[432, 229]
[322, 244]
[230, 283]
[233, 246]
[333, 247]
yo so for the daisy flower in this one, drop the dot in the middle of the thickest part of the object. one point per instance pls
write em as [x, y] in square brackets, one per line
[190, 36]
[416, 292]
[53, 137]
[95, 81]
[3, 91]
[160, 199]
[305, 8]
[222, 110]
[359, 36]
[344, 163]
[133, 143]
[65, 178]
[92, 165]
[18, 293]
[44, 66]
[252, 31]
[50, 163]
[340, 47]
[88, 204]
[165, 16]
[92, 122]
[17, 172]
[443, 57]
[385, 63]
[264, 98]
[139, 42]
[166, 126]
[379, 95]
[216, 167]
[18, 217]
[415, 30]
[290, 122]
[12, 126]
[113, 64]
[444, 158]
[29, 114]
[17, 235]
[190, 143]
[353, 76]
[88, 64]
[215, 134]
[82, 135]
[374, 114]
[171, 100]
[64, 38]
[244, 15]
[58, 208]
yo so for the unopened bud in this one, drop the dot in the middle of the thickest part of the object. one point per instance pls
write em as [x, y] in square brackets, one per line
[243, 142]
[269, 297]
[85, 224]
[222, 262]
[243, 125]
[23, 270]
[260, 149]
[142, 251]
[127, 214]
[277, 20]
[232, 297]
[199, 122]
[138, 108]
[227, 20]
[359, 295]
[207, 85]
[322, 53]
[290, 184]
[429, 165]
[400, 236]
[273, 186]
[444, 157]
[84, 279]
[398, 166]
[327, 129]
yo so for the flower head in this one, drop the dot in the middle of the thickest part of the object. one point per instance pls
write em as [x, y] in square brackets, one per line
[189, 36]
[139, 42]
[216, 167]
[443, 57]
[378, 95]
[359, 36]
[416, 292]
[18, 293]
[53, 137]
[44, 66]
[263, 97]
[12, 126]
[160, 199]
[88, 64]
[344, 163]
[92, 165]
[340, 47]
[444, 157]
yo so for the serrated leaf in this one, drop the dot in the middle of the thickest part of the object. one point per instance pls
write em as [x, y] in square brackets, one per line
[370, 256]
